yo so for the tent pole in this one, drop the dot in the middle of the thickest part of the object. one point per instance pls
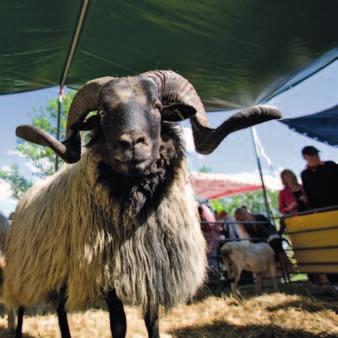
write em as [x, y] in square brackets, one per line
[74, 42]
[58, 127]
[259, 165]
[71, 51]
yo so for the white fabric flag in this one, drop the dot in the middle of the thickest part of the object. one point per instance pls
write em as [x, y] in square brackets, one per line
[260, 149]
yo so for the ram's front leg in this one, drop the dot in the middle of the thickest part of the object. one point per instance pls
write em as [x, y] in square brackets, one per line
[151, 319]
[62, 314]
[117, 316]
[20, 314]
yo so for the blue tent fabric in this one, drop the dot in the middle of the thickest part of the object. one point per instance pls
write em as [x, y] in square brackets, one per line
[322, 126]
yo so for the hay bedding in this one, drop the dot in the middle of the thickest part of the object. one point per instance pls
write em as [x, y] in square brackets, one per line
[270, 315]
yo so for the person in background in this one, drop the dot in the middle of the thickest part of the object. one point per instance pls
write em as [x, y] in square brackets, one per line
[212, 233]
[257, 232]
[229, 229]
[206, 217]
[320, 182]
[292, 198]
[263, 231]
[320, 179]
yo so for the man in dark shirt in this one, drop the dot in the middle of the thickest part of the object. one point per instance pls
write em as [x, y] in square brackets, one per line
[260, 229]
[320, 182]
[320, 179]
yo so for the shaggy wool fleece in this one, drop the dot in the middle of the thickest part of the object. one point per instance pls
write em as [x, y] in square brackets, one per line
[4, 226]
[67, 231]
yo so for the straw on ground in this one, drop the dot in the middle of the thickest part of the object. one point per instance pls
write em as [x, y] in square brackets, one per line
[270, 315]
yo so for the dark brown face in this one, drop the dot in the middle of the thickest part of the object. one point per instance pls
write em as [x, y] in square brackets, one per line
[131, 117]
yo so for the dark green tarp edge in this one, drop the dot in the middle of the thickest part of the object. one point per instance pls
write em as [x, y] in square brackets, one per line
[232, 51]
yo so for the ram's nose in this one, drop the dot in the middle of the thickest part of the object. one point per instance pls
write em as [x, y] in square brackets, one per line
[133, 139]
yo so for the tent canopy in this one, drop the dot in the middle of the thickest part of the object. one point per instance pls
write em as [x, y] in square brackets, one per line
[230, 50]
[212, 186]
[322, 126]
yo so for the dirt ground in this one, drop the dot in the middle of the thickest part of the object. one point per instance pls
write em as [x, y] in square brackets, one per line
[297, 312]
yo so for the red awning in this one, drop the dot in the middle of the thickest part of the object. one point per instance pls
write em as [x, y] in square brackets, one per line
[211, 186]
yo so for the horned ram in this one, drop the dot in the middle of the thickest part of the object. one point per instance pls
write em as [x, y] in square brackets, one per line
[120, 223]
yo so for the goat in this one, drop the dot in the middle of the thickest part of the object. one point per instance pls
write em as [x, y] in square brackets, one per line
[257, 258]
[120, 222]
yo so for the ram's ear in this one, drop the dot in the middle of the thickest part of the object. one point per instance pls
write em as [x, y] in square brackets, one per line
[177, 112]
[90, 123]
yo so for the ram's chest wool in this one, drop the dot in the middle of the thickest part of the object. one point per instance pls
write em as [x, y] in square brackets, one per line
[91, 248]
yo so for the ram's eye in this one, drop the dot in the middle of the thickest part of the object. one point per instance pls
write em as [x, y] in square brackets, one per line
[157, 105]
[101, 113]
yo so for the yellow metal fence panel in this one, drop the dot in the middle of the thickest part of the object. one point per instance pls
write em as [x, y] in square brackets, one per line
[314, 239]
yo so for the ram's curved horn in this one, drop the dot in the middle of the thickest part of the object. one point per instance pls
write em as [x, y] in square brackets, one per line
[67, 150]
[207, 139]
[175, 88]
[85, 101]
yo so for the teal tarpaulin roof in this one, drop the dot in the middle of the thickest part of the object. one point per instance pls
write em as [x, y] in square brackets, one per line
[231, 50]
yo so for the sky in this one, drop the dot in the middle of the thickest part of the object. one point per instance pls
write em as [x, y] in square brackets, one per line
[234, 156]
[282, 145]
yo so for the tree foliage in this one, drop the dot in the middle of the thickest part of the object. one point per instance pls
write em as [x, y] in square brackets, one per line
[253, 200]
[205, 169]
[41, 160]
[18, 183]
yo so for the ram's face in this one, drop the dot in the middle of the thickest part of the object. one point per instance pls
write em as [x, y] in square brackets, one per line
[131, 123]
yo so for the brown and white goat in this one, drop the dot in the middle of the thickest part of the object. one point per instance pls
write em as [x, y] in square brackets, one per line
[258, 258]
